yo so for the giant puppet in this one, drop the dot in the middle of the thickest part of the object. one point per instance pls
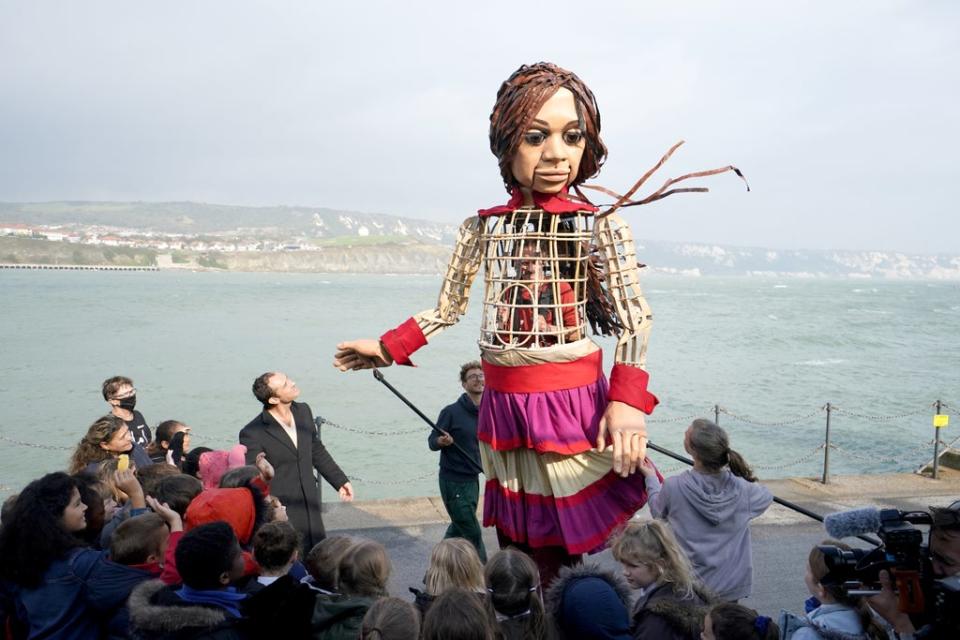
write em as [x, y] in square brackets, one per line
[559, 444]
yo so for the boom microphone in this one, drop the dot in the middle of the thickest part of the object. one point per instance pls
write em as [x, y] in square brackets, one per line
[854, 522]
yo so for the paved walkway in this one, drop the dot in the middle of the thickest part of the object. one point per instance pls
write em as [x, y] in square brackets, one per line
[781, 537]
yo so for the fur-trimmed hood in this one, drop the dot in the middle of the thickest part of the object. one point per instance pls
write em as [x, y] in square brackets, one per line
[154, 613]
[588, 600]
[683, 615]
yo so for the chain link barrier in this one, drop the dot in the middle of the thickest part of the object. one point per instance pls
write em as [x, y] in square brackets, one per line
[431, 474]
[924, 448]
[677, 419]
[35, 445]
[674, 469]
[855, 413]
[807, 456]
[369, 432]
[780, 423]
[858, 413]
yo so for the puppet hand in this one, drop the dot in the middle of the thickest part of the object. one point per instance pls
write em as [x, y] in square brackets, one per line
[264, 466]
[361, 354]
[346, 492]
[627, 428]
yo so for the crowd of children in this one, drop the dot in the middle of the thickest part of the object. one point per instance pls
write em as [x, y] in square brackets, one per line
[202, 550]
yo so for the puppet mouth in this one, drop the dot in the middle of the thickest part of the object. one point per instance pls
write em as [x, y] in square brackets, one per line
[553, 176]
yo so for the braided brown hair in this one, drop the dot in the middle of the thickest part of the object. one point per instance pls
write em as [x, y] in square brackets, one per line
[520, 98]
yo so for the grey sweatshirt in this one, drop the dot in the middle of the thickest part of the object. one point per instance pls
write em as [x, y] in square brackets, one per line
[710, 514]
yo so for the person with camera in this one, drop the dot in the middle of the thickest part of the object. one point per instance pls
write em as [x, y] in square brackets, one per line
[944, 550]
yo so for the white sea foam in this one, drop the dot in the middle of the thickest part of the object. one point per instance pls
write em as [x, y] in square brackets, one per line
[826, 362]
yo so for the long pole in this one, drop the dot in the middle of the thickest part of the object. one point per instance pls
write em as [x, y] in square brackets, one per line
[666, 452]
[936, 444]
[473, 463]
[826, 449]
[780, 501]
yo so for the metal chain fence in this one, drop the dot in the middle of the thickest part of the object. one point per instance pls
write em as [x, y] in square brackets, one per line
[431, 474]
[369, 432]
[35, 445]
[779, 423]
[677, 419]
[860, 413]
[807, 456]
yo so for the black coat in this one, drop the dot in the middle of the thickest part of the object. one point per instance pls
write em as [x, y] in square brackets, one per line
[294, 483]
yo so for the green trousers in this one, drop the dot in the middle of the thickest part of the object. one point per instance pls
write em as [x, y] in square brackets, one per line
[460, 500]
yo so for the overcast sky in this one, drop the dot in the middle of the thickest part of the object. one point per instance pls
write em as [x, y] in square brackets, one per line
[843, 114]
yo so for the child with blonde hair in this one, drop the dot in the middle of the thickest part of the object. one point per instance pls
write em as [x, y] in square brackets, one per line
[831, 612]
[672, 603]
[454, 562]
[710, 507]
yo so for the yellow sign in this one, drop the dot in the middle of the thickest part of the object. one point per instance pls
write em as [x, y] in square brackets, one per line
[941, 420]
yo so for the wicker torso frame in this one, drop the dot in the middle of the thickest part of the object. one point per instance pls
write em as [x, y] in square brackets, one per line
[535, 282]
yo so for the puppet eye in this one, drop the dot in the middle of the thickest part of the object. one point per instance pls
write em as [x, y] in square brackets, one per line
[573, 136]
[534, 138]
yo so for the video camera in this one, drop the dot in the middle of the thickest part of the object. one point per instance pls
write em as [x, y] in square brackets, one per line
[902, 554]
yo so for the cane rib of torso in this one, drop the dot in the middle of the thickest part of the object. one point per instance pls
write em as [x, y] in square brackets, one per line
[535, 279]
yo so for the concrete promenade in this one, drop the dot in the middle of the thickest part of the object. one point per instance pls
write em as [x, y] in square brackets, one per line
[781, 537]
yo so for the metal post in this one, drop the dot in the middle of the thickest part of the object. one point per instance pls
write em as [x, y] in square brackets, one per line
[716, 414]
[826, 450]
[936, 445]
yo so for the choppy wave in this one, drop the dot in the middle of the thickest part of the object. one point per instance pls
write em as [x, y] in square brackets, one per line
[826, 362]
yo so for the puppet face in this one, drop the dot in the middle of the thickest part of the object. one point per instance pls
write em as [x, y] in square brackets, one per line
[549, 154]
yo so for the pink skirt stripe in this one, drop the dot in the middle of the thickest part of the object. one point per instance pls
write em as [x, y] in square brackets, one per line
[581, 523]
[564, 421]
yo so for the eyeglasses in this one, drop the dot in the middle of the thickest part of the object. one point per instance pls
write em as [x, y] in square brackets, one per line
[132, 392]
[474, 376]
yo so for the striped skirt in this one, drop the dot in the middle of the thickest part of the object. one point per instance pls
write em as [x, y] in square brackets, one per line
[546, 483]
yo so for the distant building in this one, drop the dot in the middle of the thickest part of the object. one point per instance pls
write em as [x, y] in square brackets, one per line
[15, 229]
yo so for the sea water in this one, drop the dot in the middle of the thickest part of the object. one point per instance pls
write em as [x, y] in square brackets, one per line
[770, 352]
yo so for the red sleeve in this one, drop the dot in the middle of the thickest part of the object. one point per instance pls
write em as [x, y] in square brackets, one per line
[170, 574]
[629, 385]
[403, 341]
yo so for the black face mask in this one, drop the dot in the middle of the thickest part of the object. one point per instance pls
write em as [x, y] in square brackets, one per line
[128, 403]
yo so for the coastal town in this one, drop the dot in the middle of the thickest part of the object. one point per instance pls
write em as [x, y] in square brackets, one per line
[108, 236]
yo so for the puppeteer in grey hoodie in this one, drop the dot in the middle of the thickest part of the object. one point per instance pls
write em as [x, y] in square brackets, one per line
[710, 514]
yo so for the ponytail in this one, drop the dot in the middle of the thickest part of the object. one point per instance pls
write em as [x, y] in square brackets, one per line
[711, 446]
[739, 466]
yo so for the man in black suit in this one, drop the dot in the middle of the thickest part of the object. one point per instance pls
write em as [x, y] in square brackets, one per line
[285, 432]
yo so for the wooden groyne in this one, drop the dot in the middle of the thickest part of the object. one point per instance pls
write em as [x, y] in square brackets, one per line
[76, 267]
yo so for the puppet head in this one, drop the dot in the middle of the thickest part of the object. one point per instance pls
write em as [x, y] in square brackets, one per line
[519, 100]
